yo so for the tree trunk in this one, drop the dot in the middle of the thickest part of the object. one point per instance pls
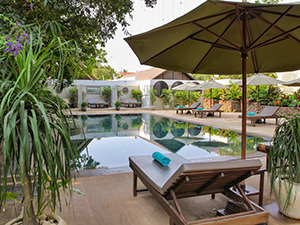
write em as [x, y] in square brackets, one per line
[29, 217]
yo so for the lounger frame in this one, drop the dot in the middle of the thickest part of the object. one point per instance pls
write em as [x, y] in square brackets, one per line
[255, 214]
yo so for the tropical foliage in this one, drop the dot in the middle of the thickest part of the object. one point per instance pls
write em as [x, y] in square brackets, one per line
[106, 93]
[34, 132]
[137, 94]
[73, 97]
[89, 23]
[186, 97]
[167, 96]
[284, 155]
[104, 73]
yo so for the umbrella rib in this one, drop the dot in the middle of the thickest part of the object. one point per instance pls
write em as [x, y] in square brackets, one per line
[211, 48]
[179, 42]
[276, 27]
[218, 36]
[216, 44]
[253, 54]
[240, 26]
[268, 43]
[276, 13]
[271, 40]
[271, 26]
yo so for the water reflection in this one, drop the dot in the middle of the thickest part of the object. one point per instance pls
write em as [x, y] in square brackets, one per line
[111, 139]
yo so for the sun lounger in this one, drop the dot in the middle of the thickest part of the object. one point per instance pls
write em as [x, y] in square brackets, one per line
[92, 103]
[182, 179]
[132, 104]
[193, 106]
[269, 112]
[213, 110]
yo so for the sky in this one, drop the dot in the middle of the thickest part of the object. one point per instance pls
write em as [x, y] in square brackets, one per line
[119, 54]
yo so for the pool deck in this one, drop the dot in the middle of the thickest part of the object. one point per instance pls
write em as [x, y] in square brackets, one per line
[108, 199]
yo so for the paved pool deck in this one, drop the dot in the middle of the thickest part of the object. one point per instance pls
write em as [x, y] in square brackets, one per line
[228, 120]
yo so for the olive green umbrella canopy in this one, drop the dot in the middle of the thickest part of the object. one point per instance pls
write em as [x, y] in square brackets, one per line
[221, 37]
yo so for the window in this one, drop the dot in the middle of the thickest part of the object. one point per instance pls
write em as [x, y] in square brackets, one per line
[93, 90]
[125, 90]
[159, 86]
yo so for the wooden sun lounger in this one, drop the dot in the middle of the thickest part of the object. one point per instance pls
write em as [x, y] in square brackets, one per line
[182, 179]
[269, 112]
[213, 110]
[132, 104]
[193, 106]
[97, 104]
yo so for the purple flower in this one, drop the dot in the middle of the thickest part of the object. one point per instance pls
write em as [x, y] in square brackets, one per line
[7, 38]
[9, 43]
[5, 50]
[18, 23]
[20, 39]
[25, 35]
[31, 5]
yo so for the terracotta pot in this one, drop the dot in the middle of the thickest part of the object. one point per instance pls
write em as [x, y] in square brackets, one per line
[281, 192]
[59, 220]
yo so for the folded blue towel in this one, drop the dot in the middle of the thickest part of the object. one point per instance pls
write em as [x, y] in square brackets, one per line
[163, 160]
[180, 106]
[250, 114]
[128, 101]
[94, 101]
[200, 108]
[136, 101]
[102, 101]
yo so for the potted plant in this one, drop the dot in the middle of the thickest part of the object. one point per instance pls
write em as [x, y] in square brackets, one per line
[284, 166]
[118, 105]
[34, 131]
[84, 106]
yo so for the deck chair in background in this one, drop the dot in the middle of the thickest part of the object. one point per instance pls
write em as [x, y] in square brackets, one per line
[185, 179]
[269, 112]
[213, 110]
[193, 106]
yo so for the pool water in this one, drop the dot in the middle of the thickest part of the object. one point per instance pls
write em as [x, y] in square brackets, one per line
[108, 140]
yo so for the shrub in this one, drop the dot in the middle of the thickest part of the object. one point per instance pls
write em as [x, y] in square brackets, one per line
[166, 96]
[83, 104]
[73, 97]
[233, 93]
[106, 93]
[137, 94]
[118, 103]
[153, 93]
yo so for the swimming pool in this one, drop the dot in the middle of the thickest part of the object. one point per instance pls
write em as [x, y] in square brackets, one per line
[109, 140]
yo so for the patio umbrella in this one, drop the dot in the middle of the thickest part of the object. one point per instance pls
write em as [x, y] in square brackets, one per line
[260, 79]
[293, 83]
[188, 86]
[221, 37]
[211, 84]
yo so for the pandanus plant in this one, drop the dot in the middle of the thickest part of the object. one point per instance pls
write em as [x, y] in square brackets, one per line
[34, 132]
[284, 156]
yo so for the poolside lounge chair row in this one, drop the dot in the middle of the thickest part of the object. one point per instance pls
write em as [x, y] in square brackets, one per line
[194, 108]
[183, 179]
[131, 104]
[97, 104]
[269, 112]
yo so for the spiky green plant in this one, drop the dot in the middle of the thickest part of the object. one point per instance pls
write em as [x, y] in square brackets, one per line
[34, 131]
[284, 156]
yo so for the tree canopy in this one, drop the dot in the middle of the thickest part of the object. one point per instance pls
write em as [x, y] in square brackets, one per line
[104, 73]
[89, 23]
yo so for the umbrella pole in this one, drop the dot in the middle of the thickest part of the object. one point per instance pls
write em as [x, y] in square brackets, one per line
[244, 104]
[210, 105]
[258, 104]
